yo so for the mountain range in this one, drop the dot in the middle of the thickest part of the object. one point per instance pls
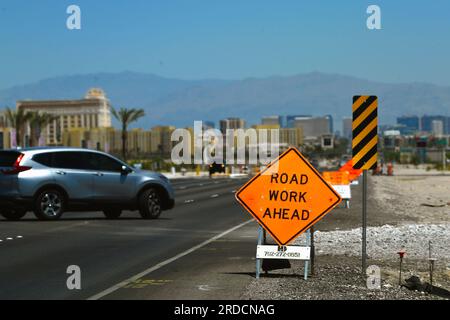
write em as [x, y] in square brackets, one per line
[179, 102]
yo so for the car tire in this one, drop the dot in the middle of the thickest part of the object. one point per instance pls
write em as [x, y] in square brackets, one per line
[49, 205]
[112, 213]
[150, 204]
[13, 214]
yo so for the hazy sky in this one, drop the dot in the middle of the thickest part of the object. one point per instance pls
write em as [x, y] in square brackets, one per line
[194, 39]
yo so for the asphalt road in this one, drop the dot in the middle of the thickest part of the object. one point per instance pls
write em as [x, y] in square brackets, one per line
[204, 248]
[157, 256]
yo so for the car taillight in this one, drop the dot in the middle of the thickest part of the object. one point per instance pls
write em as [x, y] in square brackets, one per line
[17, 168]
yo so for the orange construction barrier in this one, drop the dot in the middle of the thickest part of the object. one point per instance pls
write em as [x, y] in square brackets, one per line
[353, 173]
[336, 177]
[390, 169]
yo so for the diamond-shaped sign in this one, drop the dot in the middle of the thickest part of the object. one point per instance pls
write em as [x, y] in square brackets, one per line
[288, 197]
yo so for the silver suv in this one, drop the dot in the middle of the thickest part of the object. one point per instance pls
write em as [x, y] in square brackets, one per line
[50, 181]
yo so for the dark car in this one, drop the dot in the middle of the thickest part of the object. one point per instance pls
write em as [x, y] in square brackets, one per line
[216, 168]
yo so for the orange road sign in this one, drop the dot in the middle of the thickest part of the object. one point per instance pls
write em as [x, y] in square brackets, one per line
[336, 177]
[288, 197]
[353, 173]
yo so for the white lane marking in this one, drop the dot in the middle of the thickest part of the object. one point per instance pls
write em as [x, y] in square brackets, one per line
[12, 238]
[188, 201]
[214, 195]
[182, 188]
[206, 287]
[233, 191]
[203, 287]
[166, 262]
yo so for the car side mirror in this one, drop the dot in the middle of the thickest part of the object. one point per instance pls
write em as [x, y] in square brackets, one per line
[126, 170]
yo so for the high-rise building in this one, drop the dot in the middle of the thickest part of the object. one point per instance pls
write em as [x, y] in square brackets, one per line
[208, 125]
[330, 122]
[347, 127]
[266, 126]
[5, 132]
[161, 142]
[231, 123]
[287, 137]
[291, 137]
[272, 120]
[408, 124]
[139, 142]
[313, 127]
[437, 128]
[94, 111]
[3, 122]
[427, 123]
[290, 119]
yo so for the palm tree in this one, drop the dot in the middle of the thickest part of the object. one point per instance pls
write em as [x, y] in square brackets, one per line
[125, 117]
[17, 120]
[38, 121]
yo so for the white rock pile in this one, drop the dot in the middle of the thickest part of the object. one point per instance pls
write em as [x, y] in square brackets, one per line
[384, 242]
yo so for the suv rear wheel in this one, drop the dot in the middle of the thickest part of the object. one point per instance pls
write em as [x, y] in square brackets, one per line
[112, 213]
[13, 214]
[150, 204]
[49, 205]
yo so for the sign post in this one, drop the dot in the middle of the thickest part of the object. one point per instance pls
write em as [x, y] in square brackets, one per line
[365, 152]
[287, 198]
[313, 251]
[308, 245]
[364, 223]
[258, 260]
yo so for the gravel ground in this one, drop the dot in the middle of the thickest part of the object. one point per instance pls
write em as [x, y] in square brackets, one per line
[336, 278]
[384, 242]
[399, 218]
[410, 197]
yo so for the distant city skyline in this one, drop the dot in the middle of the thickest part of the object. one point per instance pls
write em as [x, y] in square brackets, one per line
[226, 40]
[180, 102]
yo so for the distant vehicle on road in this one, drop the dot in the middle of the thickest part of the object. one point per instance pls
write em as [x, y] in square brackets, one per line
[315, 163]
[51, 181]
[216, 168]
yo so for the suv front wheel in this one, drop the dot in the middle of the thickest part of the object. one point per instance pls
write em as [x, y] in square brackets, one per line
[49, 205]
[13, 214]
[150, 204]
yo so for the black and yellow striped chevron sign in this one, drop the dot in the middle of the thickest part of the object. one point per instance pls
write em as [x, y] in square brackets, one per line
[365, 132]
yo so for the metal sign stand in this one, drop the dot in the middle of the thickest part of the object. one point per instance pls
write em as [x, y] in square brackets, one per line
[313, 251]
[308, 244]
[258, 261]
[262, 240]
[364, 224]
